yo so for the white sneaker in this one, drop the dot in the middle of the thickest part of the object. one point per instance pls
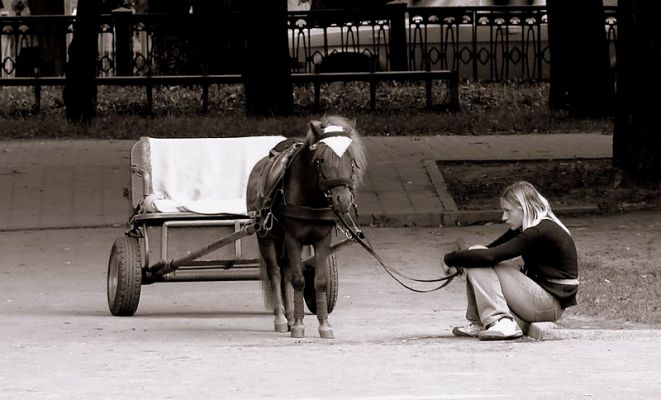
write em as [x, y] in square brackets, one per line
[503, 329]
[471, 329]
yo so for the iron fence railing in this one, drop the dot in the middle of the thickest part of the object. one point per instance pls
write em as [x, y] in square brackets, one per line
[486, 43]
[34, 45]
[490, 43]
[494, 43]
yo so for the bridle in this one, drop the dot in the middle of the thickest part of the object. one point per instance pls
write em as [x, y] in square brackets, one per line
[326, 184]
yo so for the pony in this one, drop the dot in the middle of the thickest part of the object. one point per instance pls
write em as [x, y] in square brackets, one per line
[318, 180]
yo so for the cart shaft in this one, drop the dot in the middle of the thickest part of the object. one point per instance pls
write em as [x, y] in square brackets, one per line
[166, 266]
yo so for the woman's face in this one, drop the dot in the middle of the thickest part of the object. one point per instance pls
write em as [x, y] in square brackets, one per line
[512, 216]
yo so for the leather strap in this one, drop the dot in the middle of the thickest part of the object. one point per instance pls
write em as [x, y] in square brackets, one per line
[306, 213]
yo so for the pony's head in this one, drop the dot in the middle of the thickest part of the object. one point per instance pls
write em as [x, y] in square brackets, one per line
[339, 159]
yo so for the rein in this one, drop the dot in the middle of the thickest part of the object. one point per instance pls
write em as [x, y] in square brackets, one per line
[358, 236]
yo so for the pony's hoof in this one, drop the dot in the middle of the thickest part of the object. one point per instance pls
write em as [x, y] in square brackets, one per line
[282, 328]
[297, 331]
[326, 334]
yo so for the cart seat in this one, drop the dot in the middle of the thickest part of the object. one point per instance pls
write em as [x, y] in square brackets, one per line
[195, 175]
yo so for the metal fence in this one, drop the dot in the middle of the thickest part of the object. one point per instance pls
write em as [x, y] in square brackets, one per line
[493, 43]
[489, 43]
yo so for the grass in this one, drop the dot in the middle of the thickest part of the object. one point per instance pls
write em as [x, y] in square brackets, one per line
[486, 108]
[628, 294]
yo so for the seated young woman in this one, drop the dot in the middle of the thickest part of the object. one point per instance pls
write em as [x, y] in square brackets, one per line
[505, 295]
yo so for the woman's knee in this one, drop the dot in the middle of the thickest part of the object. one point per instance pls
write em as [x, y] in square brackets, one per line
[507, 268]
[480, 273]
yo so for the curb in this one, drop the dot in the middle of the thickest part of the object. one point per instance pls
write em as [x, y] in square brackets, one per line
[550, 331]
[448, 217]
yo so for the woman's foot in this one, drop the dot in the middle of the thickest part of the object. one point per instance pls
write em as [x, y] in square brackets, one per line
[471, 329]
[503, 329]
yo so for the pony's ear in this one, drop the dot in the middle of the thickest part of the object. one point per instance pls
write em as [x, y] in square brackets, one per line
[316, 128]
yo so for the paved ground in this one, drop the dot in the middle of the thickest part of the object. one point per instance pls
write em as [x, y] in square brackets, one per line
[82, 183]
[213, 340]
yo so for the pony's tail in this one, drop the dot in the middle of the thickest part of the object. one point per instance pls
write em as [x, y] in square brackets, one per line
[267, 291]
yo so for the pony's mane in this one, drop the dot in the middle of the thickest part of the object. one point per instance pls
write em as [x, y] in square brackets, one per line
[356, 149]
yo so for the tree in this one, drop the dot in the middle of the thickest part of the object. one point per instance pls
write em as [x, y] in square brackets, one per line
[171, 38]
[636, 136]
[582, 81]
[219, 36]
[266, 72]
[80, 72]
[52, 38]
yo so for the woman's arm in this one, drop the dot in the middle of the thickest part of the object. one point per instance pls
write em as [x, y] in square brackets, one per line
[506, 247]
[509, 234]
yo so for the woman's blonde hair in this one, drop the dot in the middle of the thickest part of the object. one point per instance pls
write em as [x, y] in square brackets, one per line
[526, 197]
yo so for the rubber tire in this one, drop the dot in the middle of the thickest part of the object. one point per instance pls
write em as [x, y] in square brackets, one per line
[310, 293]
[124, 276]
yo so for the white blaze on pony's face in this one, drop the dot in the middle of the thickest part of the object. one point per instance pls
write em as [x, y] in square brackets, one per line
[339, 144]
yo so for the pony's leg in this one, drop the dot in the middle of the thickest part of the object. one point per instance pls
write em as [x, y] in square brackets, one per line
[275, 286]
[288, 297]
[321, 253]
[298, 283]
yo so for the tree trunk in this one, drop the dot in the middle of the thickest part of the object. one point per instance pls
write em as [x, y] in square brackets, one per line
[582, 80]
[267, 75]
[636, 136]
[172, 39]
[80, 86]
[219, 36]
[52, 38]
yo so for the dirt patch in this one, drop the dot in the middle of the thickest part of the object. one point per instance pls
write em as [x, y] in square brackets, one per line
[566, 183]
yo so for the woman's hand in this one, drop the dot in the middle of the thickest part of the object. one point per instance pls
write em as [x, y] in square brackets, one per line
[449, 270]
[458, 245]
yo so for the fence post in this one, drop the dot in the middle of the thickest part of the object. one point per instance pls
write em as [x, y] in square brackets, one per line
[398, 54]
[474, 43]
[123, 42]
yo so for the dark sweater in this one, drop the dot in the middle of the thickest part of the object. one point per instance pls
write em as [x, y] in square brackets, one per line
[547, 250]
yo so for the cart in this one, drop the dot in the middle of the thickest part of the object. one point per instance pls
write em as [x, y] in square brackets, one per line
[188, 192]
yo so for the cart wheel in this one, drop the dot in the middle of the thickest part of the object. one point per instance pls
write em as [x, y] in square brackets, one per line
[124, 276]
[310, 293]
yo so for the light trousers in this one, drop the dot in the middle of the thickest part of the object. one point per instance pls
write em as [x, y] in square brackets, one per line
[505, 291]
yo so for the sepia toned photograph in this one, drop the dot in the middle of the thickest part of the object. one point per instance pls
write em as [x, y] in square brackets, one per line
[330, 199]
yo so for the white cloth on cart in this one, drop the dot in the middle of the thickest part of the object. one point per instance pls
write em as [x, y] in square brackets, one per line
[206, 176]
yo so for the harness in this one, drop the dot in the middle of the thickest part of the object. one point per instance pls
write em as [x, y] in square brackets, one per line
[343, 220]
[276, 198]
